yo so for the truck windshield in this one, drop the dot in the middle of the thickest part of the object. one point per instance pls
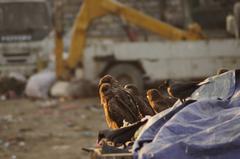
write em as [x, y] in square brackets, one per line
[24, 21]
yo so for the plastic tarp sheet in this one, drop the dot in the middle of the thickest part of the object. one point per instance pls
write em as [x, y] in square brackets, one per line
[207, 128]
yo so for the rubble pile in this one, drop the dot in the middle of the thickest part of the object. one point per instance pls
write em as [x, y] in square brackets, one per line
[12, 86]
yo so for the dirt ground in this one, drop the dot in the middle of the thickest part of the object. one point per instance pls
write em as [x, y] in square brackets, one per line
[49, 129]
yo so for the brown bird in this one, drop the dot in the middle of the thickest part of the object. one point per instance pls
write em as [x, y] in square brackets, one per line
[182, 90]
[121, 93]
[142, 103]
[120, 136]
[116, 110]
[157, 101]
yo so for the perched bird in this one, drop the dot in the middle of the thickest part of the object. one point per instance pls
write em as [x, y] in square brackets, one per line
[157, 101]
[142, 103]
[182, 90]
[117, 89]
[120, 136]
[116, 110]
[163, 89]
[120, 93]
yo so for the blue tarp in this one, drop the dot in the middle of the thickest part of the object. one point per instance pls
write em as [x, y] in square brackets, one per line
[207, 128]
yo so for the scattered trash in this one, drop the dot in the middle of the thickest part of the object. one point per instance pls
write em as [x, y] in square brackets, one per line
[60, 89]
[93, 107]
[60, 147]
[6, 144]
[12, 86]
[48, 103]
[13, 157]
[73, 89]
[18, 76]
[7, 118]
[3, 97]
[88, 134]
[21, 144]
[23, 130]
[83, 116]
[39, 84]
[81, 88]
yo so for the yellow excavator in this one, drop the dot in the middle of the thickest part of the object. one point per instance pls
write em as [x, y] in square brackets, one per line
[92, 9]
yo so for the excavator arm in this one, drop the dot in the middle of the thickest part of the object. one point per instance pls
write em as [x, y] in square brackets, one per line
[92, 9]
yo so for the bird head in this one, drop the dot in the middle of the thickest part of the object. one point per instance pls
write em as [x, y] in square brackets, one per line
[102, 136]
[168, 82]
[132, 88]
[153, 94]
[106, 79]
[106, 90]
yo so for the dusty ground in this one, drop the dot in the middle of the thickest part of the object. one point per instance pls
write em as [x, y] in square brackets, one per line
[43, 130]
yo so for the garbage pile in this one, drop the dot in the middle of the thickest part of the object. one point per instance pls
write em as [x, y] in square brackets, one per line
[12, 85]
[39, 84]
[126, 110]
[201, 122]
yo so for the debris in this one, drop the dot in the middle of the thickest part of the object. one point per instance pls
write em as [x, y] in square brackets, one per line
[6, 144]
[60, 147]
[13, 157]
[83, 116]
[21, 144]
[48, 103]
[7, 118]
[60, 89]
[81, 88]
[12, 86]
[39, 84]
[73, 89]
[88, 133]
[23, 130]
[69, 107]
[18, 76]
[3, 97]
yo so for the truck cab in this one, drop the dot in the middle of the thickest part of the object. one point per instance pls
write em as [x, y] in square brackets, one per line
[25, 35]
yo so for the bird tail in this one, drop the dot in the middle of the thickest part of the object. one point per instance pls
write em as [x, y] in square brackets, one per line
[133, 126]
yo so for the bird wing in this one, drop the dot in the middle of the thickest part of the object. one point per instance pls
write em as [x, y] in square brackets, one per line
[117, 114]
[144, 107]
[127, 103]
[124, 134]
[182, 90]
[120, 112]
[136, 104]
[108, 116]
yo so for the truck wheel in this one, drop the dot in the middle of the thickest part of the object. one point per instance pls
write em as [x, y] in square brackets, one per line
[127, 73]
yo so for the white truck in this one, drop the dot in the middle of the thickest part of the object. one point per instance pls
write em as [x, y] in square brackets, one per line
[165, 59]
[161, 60]
[25, 35]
